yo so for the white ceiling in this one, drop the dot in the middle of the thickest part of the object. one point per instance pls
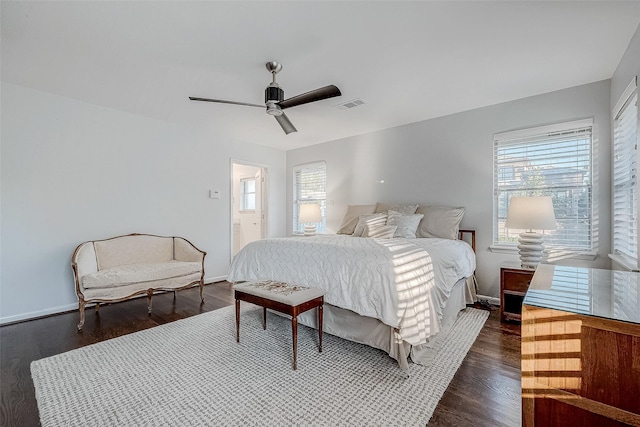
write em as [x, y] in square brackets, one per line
[409, 61]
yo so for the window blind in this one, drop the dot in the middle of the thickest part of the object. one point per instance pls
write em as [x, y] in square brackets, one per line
[625, 176]
[553, 161]
[310, 186]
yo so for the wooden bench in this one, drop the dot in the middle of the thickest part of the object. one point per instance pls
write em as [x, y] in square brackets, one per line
[283, 298]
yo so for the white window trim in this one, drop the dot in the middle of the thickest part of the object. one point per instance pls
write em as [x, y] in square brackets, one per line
[515, 134]
[627, 263]
[625, 97]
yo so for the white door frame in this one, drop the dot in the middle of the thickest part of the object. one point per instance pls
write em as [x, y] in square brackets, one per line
[264, 199]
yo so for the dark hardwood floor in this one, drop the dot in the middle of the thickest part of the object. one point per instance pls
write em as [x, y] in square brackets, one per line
[484, 392]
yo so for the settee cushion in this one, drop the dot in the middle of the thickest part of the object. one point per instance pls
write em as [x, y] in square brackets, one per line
[133, 249]
[139, 273]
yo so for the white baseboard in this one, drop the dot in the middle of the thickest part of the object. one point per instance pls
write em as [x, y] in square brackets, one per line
[492, 300]
[208, 280]
[70, 307]
[36, 314]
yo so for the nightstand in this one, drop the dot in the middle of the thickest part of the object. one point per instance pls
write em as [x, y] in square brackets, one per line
[514, 283]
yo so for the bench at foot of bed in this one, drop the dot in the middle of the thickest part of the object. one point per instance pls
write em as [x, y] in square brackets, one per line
[284, 298]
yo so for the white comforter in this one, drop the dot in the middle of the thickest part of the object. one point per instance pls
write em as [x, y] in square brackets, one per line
[402, 282]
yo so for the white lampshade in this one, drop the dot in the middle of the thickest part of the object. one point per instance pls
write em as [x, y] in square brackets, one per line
[531, 213]
[309, 212]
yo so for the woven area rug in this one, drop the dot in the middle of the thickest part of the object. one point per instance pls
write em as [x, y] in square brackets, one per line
[193, 373]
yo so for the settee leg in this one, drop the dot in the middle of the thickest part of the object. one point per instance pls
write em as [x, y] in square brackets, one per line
[149, 295]
[81, 305]
[97, 308]
[201, 288]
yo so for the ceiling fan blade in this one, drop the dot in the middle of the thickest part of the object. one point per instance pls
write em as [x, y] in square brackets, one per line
[222, 101]
[286, 124]
[315, 95]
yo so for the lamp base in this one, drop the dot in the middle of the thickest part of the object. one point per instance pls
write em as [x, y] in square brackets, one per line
[309, 230]
[530, 246]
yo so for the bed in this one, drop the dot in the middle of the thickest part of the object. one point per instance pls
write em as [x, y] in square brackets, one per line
[394, 294]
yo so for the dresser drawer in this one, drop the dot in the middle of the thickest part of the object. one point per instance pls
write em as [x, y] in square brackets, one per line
[516, 281]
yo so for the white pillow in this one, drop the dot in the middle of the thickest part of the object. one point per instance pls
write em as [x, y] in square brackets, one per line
[440, 221]
[373, 220]
[407, 224]
[403, 209]
[381, 232]
[350, 219]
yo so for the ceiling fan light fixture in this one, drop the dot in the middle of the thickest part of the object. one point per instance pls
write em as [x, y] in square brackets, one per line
[274, 109]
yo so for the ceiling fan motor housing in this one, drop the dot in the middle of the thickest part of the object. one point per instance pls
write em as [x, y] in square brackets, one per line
[273, 94]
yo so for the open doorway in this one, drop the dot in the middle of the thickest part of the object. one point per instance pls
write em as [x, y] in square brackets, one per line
[249, 204]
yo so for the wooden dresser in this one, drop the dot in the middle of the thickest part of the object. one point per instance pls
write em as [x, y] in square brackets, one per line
[581, 348]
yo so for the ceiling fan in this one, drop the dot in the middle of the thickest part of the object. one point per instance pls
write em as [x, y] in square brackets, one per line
[275, 102]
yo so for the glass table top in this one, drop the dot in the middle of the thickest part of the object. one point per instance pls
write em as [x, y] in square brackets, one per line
[603, 293]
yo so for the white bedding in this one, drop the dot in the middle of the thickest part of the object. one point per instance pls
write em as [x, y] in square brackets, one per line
[402, 282]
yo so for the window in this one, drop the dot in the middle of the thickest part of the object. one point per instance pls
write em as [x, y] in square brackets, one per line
[310, 186]
[625, 176]
[551, 161]
[248, 194]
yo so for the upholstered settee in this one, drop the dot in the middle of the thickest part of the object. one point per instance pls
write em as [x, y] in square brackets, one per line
[128, 266]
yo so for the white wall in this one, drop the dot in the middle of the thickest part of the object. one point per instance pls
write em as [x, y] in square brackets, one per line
[449, 161]
[73, 171]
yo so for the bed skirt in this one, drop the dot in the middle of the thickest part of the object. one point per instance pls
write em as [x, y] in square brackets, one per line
[372, 332]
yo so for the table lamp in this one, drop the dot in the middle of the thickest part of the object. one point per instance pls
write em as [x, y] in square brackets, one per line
[531, 213]
[309, 214]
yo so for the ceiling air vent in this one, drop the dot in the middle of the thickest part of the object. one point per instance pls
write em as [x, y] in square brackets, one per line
[350, 104]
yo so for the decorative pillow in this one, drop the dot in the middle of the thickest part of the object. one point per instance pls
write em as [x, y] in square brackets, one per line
[407, 224]
[373, 220]
[380, 232]
[403, 209]
[350, 219]
[440, 221]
